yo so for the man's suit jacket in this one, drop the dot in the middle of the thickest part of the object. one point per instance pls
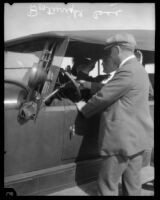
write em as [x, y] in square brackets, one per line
[126, 126]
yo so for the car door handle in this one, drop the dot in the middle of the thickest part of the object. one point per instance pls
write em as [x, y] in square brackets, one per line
[72, 131]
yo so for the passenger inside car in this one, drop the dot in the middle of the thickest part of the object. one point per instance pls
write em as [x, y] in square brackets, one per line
[81, 68]
[86, 81]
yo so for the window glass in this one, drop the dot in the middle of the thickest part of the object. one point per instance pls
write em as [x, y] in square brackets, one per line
[67, 61]
[94, 72]
[150, 68]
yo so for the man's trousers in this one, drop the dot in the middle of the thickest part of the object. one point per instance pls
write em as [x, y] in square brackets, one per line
[118, 167]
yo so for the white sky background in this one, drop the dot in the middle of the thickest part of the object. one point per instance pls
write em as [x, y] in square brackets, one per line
[22, 19]
[26, 18]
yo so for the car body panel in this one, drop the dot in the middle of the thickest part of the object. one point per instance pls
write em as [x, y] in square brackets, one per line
[33, 146]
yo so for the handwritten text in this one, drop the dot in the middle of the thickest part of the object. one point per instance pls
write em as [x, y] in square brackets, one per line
[34, 11]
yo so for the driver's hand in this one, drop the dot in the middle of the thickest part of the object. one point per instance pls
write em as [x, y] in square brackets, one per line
[84, 84]
[80, 105]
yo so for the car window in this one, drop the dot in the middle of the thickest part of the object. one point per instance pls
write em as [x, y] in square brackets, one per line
[150, 68]
[97, 70]
[67, 62]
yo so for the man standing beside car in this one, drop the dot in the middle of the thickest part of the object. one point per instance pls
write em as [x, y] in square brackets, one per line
[126, 126]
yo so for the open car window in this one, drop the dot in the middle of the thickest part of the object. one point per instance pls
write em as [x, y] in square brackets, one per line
[150, 68]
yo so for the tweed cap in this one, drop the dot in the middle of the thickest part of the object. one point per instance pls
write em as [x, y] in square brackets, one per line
[123, 39]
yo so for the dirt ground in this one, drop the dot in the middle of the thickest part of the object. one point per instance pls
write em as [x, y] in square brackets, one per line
[89, 189]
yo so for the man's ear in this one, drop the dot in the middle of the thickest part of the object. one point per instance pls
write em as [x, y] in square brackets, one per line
[115, 50]
[118, 50]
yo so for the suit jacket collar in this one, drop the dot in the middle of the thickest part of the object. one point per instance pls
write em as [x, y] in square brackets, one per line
[126, 60]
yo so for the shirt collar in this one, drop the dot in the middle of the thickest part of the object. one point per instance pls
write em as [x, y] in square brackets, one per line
[126, 59]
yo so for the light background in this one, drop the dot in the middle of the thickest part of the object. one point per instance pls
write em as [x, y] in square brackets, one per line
[21, 19]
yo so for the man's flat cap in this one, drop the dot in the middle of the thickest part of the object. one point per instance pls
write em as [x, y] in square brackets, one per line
[124, 39]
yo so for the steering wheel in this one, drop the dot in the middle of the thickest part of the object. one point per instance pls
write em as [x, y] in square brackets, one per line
[74, 83]
[64, 87]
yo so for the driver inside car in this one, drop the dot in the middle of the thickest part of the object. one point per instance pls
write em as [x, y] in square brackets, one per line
[81, 69]
[87, 84]
[95, 84]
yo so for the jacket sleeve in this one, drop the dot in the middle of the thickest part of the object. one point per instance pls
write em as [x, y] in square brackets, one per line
[95, 87]
[109, 93]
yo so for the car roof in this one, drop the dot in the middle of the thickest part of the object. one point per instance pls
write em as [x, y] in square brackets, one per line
[87, 42]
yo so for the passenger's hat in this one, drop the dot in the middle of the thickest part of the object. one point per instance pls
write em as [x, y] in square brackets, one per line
[123, 39]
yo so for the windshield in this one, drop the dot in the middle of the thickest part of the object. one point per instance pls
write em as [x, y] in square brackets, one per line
[18, 65]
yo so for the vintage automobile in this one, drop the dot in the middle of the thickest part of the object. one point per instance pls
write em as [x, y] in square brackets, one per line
[48, 144]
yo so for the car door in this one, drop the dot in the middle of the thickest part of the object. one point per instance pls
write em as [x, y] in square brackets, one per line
[34, 145]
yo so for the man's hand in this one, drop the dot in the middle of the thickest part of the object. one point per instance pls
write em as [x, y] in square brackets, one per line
[80, 105]
[84, 84]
